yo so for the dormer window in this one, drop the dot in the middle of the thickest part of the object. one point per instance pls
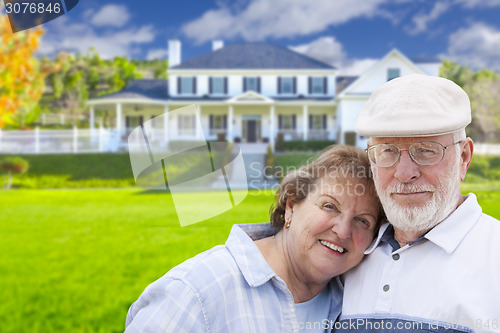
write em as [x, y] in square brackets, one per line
[393, 73]
[287, 85]
[218, 85]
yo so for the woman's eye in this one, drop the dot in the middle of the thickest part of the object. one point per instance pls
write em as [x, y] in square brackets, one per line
[364, 222]
[329, 206]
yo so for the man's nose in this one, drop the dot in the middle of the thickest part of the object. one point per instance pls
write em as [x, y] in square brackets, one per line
[407, 169]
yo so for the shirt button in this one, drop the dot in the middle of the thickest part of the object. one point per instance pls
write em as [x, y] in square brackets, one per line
[395, 256]
[386, 287]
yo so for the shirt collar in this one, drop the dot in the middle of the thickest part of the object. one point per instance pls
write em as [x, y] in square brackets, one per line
[451, 231]
[448, 234]
[250, 261]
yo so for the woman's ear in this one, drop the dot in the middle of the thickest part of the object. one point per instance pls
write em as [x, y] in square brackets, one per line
[289, 208]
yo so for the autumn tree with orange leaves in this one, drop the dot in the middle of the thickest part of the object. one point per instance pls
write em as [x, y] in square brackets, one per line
[21, 78]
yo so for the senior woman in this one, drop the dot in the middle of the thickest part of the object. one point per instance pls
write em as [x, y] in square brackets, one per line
[281, 278]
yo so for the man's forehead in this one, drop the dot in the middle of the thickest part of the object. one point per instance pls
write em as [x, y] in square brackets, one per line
[444, 138]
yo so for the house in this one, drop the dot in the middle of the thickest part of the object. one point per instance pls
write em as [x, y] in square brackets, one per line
[245, 92]
[253, 93]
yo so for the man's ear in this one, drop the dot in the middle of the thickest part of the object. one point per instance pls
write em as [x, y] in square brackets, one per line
[466, 156]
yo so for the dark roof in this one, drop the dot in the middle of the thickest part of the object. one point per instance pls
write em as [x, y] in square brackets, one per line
[425, 60]
[253, 55]
[142, 89]
[343, 82]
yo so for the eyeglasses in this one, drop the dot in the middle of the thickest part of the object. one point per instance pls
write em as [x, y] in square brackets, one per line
[423, 153]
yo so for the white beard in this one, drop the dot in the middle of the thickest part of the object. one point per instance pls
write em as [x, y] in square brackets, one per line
[418, 219]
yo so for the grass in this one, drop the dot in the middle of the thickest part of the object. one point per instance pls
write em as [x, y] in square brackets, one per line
[75, 260]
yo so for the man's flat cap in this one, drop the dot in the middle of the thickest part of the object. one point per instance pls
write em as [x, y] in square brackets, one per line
[415, 105]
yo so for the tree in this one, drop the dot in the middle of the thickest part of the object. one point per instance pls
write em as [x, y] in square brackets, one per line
[21, 78]
[483, 88]
[12, 165]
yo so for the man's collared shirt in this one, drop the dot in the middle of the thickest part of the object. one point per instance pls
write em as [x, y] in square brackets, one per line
[230, 288]
[446, 281]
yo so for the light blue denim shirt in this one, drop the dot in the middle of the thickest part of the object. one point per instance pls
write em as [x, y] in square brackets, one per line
[229, 288]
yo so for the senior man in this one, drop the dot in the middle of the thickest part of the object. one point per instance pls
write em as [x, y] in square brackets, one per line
[436, 266]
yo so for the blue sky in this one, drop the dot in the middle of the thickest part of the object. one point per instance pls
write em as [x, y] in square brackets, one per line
[349, 34]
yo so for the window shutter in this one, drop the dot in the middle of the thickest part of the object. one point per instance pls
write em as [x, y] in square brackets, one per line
[280, 122]
[210, 85]
[178, 85]
[279, 84]
[211, 121]
[127, 121]
[325, 85]
[141, 120]
[311, 121]
[194, 85]
[324, 121]
[224, 119]
[310, 85]
[225, 86]
[258, 85]
[294, 121]
[244, 84]
[179, 122]
[294, 85]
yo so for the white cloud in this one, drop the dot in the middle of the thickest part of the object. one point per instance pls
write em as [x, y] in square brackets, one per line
[330, 51]
[325, 49]
[157, 54]
[476, 46]
[263, 19]
[422, 20]
[64, 35]
[478, 3]
[111, 16]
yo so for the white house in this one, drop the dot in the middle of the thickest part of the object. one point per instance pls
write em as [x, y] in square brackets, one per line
[245, 92]
[253, 93]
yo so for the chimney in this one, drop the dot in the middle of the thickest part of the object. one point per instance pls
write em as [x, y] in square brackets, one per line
[174, 53]
[217, 44]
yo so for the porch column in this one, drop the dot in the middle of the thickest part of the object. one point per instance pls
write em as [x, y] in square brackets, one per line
[92, 119]
[199, 129]
[230, 117]
[119, 117]
[305, 123]
[166, 124]
[271, 126]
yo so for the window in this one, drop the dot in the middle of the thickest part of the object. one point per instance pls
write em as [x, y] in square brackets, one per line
[317, 121]
[317, 85]
[287, 122]
[251, 83]
[186, 85]
[287, 85]
[218, 123]
[392, 73]
[218, 85]
[187, 125]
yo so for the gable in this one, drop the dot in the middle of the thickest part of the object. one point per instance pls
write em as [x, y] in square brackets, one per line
[377, 75]
[250, 97]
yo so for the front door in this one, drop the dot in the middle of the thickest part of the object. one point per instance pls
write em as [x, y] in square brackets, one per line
[251, 131]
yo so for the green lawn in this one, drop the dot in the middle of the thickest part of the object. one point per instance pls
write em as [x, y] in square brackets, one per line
[74, 260]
